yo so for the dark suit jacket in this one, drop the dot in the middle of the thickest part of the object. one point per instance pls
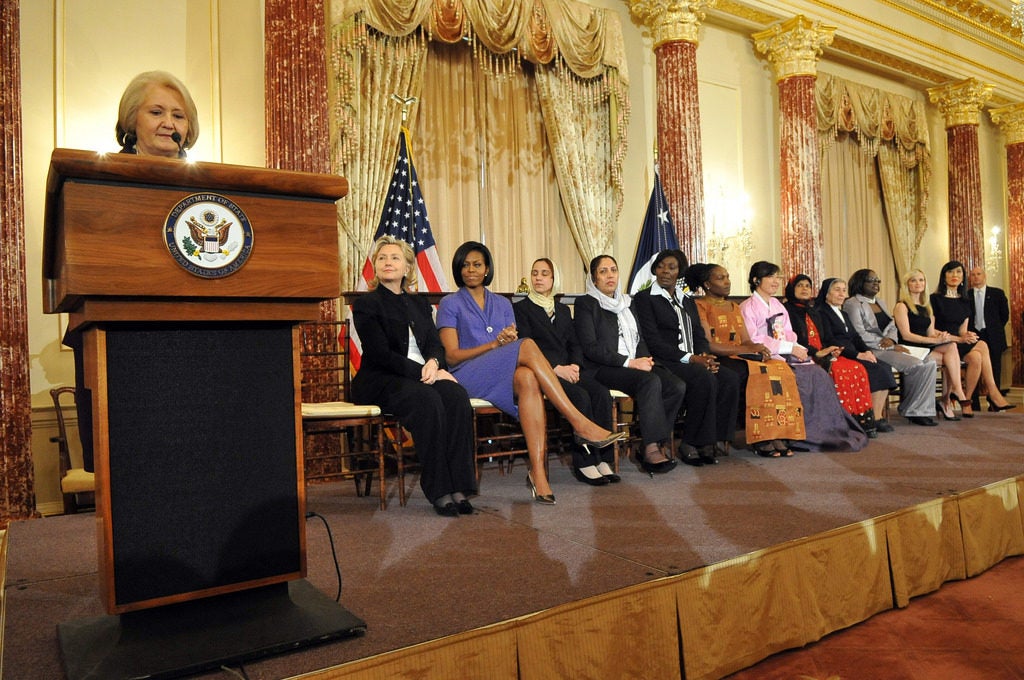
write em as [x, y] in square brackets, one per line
[997, 313]
[556, 339]
[598, 333]
[659, 326]
[382, 320]
[833, 333]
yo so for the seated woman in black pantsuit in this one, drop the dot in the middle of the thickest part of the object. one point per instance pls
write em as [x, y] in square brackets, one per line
[615, 354]
[403, 372]
[670, 323]
[549, 323]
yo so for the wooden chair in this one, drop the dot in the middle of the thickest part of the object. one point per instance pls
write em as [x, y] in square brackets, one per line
[361, 436]
[77, 485]
[496, 437]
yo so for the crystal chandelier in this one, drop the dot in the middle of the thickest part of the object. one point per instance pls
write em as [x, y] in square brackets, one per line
[1017, 14]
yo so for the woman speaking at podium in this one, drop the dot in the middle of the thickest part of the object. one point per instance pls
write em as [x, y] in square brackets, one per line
[156, 117]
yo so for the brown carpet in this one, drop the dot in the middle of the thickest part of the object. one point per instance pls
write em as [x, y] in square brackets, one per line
[414, 576]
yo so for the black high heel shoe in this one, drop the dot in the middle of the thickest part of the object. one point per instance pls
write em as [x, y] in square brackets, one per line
[655, 468]
[600, 443]
[996, 409]
[600, 480]
[543, 499]
[965, 408]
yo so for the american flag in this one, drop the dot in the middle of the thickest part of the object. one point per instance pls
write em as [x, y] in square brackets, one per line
[405, 217]
[657, 234]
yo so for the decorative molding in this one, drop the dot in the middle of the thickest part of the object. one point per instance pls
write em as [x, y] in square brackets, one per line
[1010, 120]
[961, 103]
[738, 15]
[793, 46]
[671, 20]
[983, 15]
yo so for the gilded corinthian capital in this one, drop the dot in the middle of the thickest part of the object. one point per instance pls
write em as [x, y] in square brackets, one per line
[793, 46]
[961, 103]
[671, 20]
[1010, 120]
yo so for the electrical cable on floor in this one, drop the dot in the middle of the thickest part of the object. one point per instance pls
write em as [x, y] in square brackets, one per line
[334, 555]
[240, 673]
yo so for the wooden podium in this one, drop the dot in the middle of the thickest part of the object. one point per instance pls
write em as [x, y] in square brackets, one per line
[187, 282]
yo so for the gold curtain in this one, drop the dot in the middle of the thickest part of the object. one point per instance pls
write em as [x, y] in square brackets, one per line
[892, 131]
[483, 144]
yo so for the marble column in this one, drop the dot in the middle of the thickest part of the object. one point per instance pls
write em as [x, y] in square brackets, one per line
[1011, 120]
[793, 48]
[961, 104]
[295, 71]
[17, 485]
[674, 25]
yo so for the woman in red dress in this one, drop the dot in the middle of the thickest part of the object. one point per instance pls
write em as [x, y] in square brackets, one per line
[848, 374]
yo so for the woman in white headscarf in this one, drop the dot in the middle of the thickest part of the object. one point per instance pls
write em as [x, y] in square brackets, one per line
[616, 356]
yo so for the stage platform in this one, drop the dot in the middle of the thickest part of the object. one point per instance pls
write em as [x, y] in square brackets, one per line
[694, 574]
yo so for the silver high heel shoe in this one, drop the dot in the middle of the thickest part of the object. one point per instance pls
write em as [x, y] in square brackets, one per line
[543, 499]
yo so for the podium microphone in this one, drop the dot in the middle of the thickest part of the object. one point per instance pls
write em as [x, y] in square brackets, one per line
[176, 138]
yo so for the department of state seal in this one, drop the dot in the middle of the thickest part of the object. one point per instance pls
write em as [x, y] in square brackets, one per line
[209, 235]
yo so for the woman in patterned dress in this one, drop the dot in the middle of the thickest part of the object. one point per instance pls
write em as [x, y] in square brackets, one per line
[813, 322]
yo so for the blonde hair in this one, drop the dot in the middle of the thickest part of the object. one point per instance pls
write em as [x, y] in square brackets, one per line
[908, 300]
[135, 94]
[410, 283]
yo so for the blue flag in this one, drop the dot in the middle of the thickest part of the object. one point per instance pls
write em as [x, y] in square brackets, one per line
[657, 234]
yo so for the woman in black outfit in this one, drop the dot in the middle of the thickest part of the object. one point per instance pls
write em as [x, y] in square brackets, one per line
[670, 323]
[952, 308]
[615, 354]
[836, 329]
[403, 372]
[549, 323]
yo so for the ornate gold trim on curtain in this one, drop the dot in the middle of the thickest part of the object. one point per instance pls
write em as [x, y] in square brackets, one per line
[587, 38]
[892, 129]
[582, 46]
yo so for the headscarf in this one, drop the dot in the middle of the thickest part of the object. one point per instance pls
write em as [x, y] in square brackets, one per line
[618, 305]
[791, 291]
[823, 293]
[546, 302]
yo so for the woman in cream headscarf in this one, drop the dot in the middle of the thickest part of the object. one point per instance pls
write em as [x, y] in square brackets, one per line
[549, 323]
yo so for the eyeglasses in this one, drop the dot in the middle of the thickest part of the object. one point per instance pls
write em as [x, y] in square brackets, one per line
[872, 280]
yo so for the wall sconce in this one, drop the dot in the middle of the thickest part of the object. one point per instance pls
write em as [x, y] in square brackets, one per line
[994, 254]
[731, 240]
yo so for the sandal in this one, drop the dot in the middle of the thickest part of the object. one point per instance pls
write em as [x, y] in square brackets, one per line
[782, 448]
[766, 450]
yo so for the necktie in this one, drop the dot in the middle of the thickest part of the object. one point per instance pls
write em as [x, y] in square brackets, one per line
[685, 331]
[979, 309]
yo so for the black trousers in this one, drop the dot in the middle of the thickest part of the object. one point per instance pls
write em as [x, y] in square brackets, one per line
[658, 395]
[595, 402]
[712, 402]
[441, 422]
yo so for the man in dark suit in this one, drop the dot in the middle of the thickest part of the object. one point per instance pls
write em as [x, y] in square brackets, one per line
[989, 313]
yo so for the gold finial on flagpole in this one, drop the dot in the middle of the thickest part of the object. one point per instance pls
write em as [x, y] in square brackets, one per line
[406, 102]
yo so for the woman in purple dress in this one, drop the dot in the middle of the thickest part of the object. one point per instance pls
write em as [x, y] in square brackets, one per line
[486, 355]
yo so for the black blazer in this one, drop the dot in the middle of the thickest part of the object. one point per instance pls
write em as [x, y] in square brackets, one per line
[997, 313]
[382, 320]
[556, 338]
[659, 326]
[833, 333]
[598, 333]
